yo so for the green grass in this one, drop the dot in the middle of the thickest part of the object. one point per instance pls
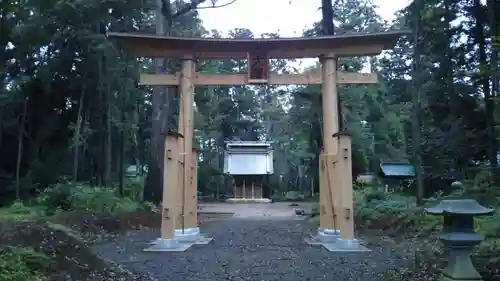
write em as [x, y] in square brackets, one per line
[22, 264]
[19, 211]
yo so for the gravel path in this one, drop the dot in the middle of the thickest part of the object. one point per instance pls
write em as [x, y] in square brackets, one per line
[254, 250]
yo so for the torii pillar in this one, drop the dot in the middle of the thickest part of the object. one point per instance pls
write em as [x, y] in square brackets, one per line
[336, 230]
[186, 228]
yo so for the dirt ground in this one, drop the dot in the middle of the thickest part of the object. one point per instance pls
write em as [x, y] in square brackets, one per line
[67, 238]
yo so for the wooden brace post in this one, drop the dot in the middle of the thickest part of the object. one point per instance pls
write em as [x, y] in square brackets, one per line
[193, 189]
[326, 220]
[170, 180]
[346, 212]
[332, 174]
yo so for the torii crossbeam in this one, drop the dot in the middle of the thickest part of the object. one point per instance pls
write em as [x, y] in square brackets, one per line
[336, 229]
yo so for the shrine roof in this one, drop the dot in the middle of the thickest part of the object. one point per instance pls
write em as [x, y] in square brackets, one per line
[397, 170]
[344, 45]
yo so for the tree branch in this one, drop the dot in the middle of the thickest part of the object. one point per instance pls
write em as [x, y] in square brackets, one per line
[217, 6]
[191, 6]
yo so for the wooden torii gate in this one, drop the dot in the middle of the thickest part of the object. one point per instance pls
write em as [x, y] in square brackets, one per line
[336, 201]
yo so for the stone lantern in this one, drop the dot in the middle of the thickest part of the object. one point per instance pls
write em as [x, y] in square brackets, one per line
[458, 234]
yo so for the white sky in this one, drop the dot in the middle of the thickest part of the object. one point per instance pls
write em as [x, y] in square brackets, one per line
[292, 18]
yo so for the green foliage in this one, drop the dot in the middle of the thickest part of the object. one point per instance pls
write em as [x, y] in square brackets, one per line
[18, 210]
[398, 215]
[488, 252]
[22, 264]
[86, 198]
[376, 209]
[134, 188]
[482, 187]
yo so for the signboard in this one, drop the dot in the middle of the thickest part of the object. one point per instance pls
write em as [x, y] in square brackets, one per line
[258, 68]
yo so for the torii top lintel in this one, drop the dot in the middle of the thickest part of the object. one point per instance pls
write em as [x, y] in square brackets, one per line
[345, 45]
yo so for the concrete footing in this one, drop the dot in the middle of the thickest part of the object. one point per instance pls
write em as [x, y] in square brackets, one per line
[324, 236]
[167, 245]
[191, 235]
[188, 236]
[330, 239]
[342, 245]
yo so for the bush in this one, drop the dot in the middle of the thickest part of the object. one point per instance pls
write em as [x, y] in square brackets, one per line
[22, 264]
[85, 198]
[396, 214]
[376, 209]
[20, 211]
[481, 188]
[133, 188]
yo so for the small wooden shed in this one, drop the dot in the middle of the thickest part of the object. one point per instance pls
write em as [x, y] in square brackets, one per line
[249, 163]
[395, 176]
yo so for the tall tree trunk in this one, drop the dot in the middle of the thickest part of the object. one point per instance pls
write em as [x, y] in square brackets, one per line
[135, 138]
[416, 7]
[108, 141]
[20, 136]
[448, 74]
[154, 180]
[485, 83]
[1, 123]
[122, 142]
[77, 137]
[100, 115]
[493, 8]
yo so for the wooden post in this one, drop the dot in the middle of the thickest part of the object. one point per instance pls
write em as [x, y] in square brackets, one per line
[192, 192]
[330, 127]
[234, 190]
[179, 222]
[170, 189]
[253, 190]
[344, 163]
[244, 191]
[326, 220]
[312, 187]
[180, 184]
[333, 174]
[186, 127]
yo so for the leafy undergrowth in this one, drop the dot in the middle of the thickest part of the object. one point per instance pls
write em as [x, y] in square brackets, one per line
[49, 239]
[398, 217]
[64, 240]
[37, 250]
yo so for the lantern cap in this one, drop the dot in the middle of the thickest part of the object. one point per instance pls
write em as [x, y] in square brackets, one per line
[459, 207]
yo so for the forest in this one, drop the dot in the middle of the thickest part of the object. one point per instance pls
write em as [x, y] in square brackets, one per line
[72, 113]
[71, 109]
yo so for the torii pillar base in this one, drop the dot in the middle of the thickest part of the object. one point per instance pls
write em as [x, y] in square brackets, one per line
[168, 245]
[324, 236]
[191, 235]
[346, 246]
